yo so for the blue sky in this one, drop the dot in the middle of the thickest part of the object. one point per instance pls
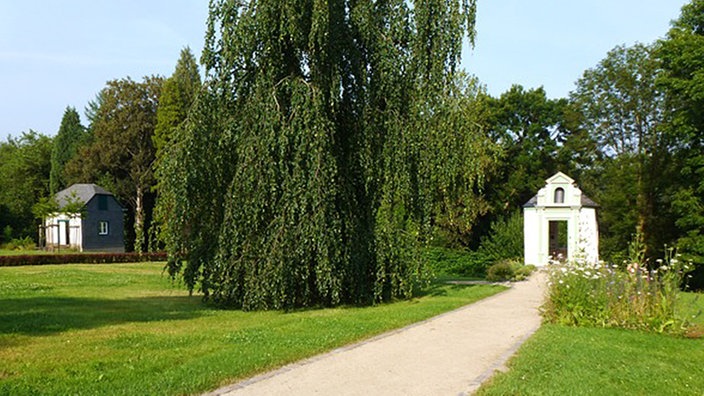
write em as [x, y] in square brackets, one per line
[55, 54]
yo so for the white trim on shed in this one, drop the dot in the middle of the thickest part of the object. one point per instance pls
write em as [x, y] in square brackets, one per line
[560, 208]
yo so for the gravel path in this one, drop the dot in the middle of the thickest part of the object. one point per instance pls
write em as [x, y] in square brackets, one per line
[449, 354]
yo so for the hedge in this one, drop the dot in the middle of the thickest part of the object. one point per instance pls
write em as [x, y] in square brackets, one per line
[87, 258]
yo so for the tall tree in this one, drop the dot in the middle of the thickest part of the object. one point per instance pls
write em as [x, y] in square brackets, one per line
[177, 97]
[681, 56]
[624, 110]
[531, 131]
[91, 110]
[70, 136]
[122, 153]
[305, 173]
[24, 175]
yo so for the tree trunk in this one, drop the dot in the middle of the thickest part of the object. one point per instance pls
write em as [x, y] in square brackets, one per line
[139, 221]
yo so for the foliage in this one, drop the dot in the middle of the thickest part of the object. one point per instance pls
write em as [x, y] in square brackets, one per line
[91, 110]
[83, 258]
[623, 108]
[133, 331]
[324, 145]
[122, 153]
[25, 243]
[501, 271]
[24, 176]
[635, 297]
[561, 360]
[177, 96]
[505, 239]
[532, 132]
[455, 262]
[71, 135]
[508, 270]
[7, 233]
[681, 57]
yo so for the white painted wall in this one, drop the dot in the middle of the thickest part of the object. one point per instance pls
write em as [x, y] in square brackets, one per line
[582, 229]
[531, 236]
[56, 231]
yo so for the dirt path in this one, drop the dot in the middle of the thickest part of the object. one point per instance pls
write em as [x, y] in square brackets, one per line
[450, 354]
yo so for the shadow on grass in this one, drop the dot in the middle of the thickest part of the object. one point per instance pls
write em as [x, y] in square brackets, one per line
[47, 315]
[439, 289]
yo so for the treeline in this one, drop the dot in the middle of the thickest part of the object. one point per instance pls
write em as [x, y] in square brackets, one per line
[129, 124]
[299, 156]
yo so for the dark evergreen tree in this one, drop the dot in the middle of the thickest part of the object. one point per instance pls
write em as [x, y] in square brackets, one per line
[71, 135]
[177, 97]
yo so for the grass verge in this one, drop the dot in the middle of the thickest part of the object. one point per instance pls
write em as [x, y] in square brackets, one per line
[22, 252]
[561, 360]
[126, 329]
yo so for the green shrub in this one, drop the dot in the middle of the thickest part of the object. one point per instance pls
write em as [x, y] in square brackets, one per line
[505, 239]
[522, 272]
[500, 271]
[25, 243]
[509, 270]
[7, 233]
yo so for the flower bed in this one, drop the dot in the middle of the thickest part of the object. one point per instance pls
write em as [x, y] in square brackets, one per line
[632, 296]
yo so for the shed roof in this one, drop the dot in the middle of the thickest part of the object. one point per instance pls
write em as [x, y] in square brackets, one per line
[586, 202]
[82, 192]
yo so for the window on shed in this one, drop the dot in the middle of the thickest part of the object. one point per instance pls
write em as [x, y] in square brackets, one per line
[103, 228]
[102, 202]
[559, 195]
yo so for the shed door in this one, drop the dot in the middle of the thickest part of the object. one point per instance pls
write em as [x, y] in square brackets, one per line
[558, 239]
[64, 233]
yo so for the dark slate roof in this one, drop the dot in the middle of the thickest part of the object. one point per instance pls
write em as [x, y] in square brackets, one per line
[531, 202]
[82, 192]
[586, 202]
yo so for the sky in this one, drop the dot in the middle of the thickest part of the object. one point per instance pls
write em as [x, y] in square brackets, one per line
[55, 54]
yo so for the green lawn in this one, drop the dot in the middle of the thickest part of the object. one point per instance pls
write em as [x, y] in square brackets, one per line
[7, 252]
[126, 329]
[561, 360]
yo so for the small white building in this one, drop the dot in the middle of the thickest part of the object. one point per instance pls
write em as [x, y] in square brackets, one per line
[560, 223]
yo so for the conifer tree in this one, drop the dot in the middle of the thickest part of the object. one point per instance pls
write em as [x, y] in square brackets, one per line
[71, 135]
[177, 96]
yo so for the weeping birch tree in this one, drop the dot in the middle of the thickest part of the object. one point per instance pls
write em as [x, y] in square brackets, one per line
[326, 139]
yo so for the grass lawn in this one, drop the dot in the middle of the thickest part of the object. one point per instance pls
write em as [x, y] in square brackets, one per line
[126, 329]
[7, 252]
[561, 360]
